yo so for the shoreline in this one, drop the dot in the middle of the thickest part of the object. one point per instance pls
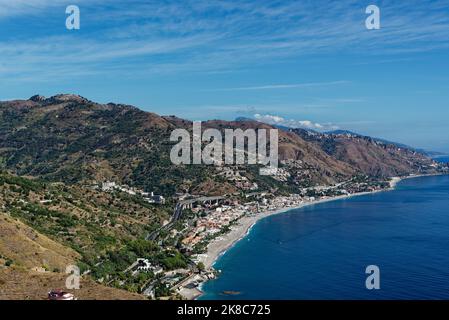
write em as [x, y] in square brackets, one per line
[242, 228]
[218, 247]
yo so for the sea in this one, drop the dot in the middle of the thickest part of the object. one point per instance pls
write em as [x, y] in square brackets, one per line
[323, 251]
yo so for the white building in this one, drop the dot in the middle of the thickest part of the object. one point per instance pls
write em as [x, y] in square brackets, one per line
[108, 186]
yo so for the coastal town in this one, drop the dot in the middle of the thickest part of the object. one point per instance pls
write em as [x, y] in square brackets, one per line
[202, 227]
[172, 255]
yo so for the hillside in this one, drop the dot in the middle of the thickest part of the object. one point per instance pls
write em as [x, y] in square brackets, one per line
[373, 157]
[101, 221]
[19, 284]
[24, 247]
[46, 226]
[323, 169]
[70, 139]
[31, 264]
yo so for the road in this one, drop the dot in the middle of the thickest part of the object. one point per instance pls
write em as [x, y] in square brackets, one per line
[177, 213]
[176, 216]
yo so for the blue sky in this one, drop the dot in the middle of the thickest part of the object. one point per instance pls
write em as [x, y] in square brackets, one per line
[308, 62]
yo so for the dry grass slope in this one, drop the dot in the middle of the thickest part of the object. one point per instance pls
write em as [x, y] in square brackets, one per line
[16, 284]
[31, 250]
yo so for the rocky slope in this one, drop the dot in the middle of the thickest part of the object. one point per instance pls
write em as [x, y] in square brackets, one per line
[371, 156]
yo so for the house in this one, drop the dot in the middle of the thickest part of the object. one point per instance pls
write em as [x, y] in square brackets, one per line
[145, 266]
[108, 186]
[152, 198]
[60, 295]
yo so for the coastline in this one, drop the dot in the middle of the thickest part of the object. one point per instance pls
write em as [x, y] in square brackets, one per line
[242, 228]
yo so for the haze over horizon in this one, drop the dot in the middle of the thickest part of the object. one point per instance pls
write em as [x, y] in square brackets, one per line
[310, 63]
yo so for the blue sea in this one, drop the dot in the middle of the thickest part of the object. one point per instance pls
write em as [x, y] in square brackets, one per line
[322, 251]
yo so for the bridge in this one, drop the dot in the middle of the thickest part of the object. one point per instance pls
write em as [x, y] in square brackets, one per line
[188, 204]
[177, 213]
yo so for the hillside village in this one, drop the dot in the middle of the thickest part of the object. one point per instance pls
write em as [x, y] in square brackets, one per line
[149, 197]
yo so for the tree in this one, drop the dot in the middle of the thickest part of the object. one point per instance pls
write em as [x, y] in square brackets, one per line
[201, 267]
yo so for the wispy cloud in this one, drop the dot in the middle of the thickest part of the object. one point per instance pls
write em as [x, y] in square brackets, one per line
[286, 86]
[292, 123]
[208, 36]
[13, 8]
[19, 7]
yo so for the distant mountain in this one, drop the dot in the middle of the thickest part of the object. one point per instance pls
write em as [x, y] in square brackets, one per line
[278, 126]
[375, 157]
[243, 119]
[399, 145]
[340, 131]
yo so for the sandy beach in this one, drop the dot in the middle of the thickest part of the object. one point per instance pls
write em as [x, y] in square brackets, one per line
[240, 230]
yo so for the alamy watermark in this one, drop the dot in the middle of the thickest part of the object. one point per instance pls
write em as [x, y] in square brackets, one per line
[373, 280]
[72, 282]
[73, 21]
[239, 148]
[373, 20]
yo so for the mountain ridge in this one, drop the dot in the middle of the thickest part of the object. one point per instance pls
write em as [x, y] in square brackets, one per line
[71, 139]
